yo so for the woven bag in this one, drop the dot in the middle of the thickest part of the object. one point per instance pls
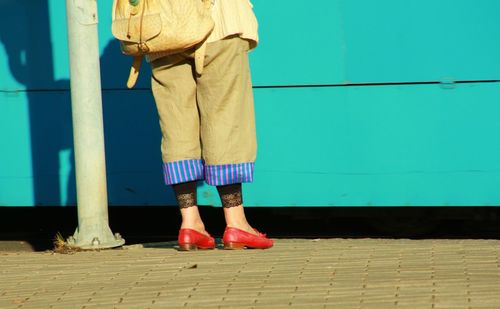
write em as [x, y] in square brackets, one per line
[166, 26]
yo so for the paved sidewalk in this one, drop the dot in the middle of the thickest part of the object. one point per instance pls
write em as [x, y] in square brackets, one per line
[297, 273]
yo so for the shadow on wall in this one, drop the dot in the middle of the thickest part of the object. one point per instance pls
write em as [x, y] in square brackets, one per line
[131, 127]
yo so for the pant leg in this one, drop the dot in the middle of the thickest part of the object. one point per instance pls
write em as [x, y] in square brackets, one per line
[174, 90]
[225, 101]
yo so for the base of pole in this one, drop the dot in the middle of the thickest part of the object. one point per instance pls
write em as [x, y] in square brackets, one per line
[95, 241]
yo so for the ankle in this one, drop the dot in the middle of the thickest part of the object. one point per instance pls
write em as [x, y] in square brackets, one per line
[196, 225]
[244, 227]
[237, 222]
[191, 219]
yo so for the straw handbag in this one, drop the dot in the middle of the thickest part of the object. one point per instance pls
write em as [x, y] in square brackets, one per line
[166, 26]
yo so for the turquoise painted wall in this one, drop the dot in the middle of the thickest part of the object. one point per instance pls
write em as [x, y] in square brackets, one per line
[358, 102]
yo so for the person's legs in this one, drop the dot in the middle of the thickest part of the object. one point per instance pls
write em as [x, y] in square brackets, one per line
[174, 89]
[232, 203]
[228, 134]
[185, 194]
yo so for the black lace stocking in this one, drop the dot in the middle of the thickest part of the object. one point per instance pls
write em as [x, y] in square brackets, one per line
[230, 195]
[185, 194]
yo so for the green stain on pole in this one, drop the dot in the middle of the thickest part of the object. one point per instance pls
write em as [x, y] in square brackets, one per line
[134, 2]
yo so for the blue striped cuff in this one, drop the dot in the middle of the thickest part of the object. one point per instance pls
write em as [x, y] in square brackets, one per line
[182, 171]
[226, 174]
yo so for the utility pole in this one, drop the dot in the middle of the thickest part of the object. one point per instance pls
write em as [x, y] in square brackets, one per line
[93, 230]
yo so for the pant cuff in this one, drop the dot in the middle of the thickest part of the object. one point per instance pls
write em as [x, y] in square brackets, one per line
[226, 174]
[182, 171]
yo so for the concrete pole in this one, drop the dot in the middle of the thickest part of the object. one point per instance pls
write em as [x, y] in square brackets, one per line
[93, 230]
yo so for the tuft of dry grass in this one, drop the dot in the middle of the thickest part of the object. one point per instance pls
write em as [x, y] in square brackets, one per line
[62, 247]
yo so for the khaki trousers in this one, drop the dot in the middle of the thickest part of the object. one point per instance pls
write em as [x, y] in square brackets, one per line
[207, 122]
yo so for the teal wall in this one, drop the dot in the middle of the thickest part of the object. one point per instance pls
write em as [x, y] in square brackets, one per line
[358, 102]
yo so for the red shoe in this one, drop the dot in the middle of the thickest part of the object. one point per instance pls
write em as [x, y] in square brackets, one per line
[193, 240]
[238, 239]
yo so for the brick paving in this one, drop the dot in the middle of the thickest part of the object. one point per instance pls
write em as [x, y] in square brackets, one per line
[296, 273]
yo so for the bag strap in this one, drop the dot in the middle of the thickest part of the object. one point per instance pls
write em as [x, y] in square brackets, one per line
[199, 54]
[134, 72]
[199, 57]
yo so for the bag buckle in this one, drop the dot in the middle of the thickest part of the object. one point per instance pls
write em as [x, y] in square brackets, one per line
[143, 47]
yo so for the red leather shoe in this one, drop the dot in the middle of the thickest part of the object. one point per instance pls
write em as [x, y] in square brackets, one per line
[193, 240]
[238, 239]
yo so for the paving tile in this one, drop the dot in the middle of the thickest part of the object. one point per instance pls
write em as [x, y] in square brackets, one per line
[325, 273]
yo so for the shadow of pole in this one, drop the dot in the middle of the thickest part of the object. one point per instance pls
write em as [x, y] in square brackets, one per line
[130, 118]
